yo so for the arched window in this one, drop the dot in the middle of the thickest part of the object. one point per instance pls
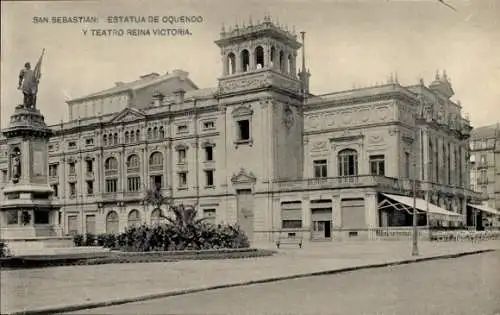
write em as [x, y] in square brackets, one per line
[110, 139]
[290, 64]
[231, 64]
[112, 223]
[156, 216]
[245, 60]
[161, 133]
[134, 218]
[115, 138]
[155, 133]
[150, 133]
[132, 136]
[105, 140]
[156, 161]
[111, 164]
[273, 56]
[282, 61]
[127, 139]
[138, 135]
[348, 162]
[133, 163]
[259, 57]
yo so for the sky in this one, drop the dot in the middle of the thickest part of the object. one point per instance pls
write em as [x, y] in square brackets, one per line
[349, 43]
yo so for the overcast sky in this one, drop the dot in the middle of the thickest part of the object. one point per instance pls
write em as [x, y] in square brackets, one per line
[348, 43]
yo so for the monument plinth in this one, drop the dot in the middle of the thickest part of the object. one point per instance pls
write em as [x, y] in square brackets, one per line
[29, 217]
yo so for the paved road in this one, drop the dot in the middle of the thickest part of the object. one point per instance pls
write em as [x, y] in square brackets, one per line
[467, 285]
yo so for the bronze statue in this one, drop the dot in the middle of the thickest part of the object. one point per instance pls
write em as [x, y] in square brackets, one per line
[28, 82]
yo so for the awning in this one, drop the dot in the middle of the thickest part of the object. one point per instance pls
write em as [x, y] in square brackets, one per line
[423, 205]
[485, 208]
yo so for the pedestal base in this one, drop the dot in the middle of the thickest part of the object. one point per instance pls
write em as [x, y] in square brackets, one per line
[18, 246]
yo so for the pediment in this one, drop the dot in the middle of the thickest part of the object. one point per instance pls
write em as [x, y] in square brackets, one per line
[243, 177]
[127, 115]
[242, 110]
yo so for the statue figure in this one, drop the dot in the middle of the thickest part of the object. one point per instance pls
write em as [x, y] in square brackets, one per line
[16, 166]
[28, 82]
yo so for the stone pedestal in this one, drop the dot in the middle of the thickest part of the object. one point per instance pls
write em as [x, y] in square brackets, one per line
[29, 219]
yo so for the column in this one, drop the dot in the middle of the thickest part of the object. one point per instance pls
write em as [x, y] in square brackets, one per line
[253, 64]
[425, 152]
[306, 212]
[225, 63]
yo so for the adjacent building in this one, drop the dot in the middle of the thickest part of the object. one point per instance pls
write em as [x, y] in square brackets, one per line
[485, 165]
[259, 149]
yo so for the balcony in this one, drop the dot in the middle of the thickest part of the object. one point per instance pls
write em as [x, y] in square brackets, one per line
[379, 183]
[155, 168]
[110, 172]
[53, 178]
[89, 175]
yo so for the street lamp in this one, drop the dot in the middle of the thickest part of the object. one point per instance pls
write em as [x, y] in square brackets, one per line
[414, 248]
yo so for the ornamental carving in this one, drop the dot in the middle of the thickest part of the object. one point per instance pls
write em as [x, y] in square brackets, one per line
[319, 146]
[243, 83]
[375, 139]
[243, 110]
[288, 117]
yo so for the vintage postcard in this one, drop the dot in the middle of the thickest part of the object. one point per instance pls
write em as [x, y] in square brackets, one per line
[250, 157]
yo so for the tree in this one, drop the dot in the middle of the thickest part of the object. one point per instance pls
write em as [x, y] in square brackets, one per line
[184, 215]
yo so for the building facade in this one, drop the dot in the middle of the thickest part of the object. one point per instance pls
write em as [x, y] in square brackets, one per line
[485, 158]
[260, 150]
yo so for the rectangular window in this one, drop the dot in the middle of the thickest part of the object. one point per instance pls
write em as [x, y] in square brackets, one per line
[320, 169]
[72, 168]
[207, 125]
[156, 181]
[89, 166]
[90, 187]
[377, 165]
[181, 155]
[209, 153]
[244, 130]
[72, 190]
[182, 179]
[407, 165]
[134, 183]
[209, 175]
[55, 188]
[89, 141]
[4, 176]
[72, 144]
[182, 128]
[111, 185]
[291, 224]
[209, 215]
[12, 217]
[53, 170]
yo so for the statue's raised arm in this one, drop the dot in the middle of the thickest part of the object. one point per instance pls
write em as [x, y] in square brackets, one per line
[28, 82]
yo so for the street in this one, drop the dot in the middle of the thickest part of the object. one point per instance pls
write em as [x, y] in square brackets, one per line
[466, 285]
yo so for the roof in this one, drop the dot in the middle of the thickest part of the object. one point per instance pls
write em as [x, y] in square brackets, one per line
[485, 132]
[143, 81]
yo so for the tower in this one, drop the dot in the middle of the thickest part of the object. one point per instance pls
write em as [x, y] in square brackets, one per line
[262, 97]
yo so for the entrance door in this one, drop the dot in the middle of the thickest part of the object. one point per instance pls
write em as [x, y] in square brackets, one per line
[244, 200]
[322, 223]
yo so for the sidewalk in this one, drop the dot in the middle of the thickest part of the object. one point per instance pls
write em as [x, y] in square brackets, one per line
[61, 287]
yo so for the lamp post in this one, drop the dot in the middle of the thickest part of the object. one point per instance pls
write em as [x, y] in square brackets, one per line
[414, 248]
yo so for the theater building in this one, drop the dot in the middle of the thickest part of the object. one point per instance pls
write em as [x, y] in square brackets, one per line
[261, 150]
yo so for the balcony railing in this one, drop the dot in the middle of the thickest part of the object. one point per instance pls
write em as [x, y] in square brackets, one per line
[381, 183]
[110, 172]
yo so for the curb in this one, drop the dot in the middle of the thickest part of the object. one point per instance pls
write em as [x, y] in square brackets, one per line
[82, 306]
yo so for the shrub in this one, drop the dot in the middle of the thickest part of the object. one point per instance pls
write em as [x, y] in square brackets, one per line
[90, 239]
[169, 236]
[4, 250]
[107, 240]
[78, 239]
